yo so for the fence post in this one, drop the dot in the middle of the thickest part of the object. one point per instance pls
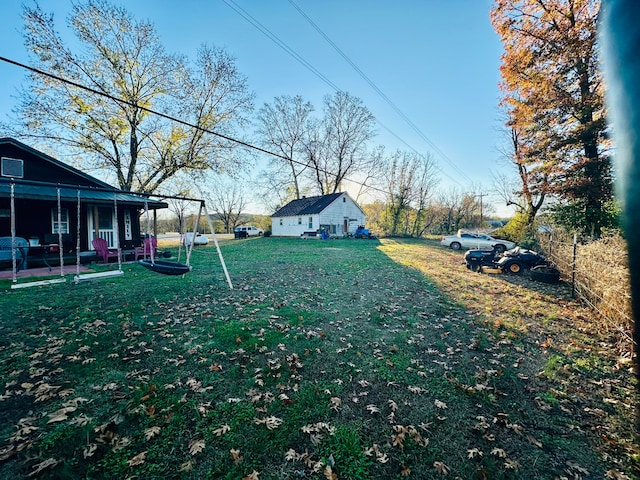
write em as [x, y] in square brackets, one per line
[573, 267]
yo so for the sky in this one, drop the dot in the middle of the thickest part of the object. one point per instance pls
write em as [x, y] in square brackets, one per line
[436, 61]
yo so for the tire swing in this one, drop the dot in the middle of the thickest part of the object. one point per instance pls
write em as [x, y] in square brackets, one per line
[163, 267]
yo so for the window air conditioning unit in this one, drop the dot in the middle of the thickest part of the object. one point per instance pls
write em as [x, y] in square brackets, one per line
[12, 167]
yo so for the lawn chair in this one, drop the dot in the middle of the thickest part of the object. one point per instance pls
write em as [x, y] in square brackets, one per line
[102, 248]
[148, 245]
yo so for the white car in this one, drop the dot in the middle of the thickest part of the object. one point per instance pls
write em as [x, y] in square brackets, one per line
[250, 229]
[475, 240]
[199, 239]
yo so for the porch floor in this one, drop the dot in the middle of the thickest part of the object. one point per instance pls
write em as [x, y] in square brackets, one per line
[42, 272]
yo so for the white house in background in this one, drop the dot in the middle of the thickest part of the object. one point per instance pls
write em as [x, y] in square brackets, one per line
[336, 213]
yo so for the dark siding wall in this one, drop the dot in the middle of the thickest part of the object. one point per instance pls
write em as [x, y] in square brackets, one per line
[38, 169]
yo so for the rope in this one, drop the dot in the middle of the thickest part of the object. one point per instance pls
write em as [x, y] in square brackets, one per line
[183, 231]
[78, 237]
[117, 232]
[13, 233]
[193, 238]
[147, 241]
[60, 249]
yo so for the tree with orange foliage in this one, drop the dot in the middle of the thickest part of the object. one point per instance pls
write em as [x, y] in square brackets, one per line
[554, 97]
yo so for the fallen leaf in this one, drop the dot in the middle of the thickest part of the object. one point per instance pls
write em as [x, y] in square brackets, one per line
[252, 476]
[328, 473]
[440, 404]
[616, 475]
[196, 446]
[60, 415]
[89, 450]
[81, 420]
[512, 464]
[138, 459]
[373, 409]
[474, 453]
[441, 468]
[235, 456]
[533, 441]
[6, 452]
[290, 455]
[151, 432]
[222, 430]
[49, 462]
[498, 452]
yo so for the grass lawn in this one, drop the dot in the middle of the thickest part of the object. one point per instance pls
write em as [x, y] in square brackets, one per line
[344, 359]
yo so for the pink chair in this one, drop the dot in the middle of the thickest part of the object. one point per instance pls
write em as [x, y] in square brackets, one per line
[102, 248]
[148, 245]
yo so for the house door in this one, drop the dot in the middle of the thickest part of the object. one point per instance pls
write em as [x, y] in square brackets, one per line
[345, 226]
[102, 220]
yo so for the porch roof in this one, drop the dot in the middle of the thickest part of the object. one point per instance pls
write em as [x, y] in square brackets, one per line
[49, 192]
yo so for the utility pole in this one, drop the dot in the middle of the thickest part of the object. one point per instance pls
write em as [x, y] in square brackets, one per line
[481, 195]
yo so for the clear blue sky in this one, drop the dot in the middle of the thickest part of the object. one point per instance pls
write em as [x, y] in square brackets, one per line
[436, 60]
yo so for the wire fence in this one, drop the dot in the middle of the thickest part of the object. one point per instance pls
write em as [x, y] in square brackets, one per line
[599, 274]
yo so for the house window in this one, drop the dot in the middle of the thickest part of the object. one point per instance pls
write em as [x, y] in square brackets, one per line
[63, 226]
[299, 220]
[344, 199]
[280, 222]
[310, 223]
[128, 235]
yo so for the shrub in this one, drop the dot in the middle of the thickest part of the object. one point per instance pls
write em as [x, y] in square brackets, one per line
[520, 231]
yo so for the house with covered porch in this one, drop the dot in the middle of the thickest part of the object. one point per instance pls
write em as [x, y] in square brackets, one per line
[45, 200]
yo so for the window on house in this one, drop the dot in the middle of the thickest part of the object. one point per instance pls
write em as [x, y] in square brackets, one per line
[280, 222]
[63, 226]
[299, 220]
[344, 199]
[310, 223]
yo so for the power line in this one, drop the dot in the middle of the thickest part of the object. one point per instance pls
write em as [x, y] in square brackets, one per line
[381, 93]
[275, 39]
[174, 119]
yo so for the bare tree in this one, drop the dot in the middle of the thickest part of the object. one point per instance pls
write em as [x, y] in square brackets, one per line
[227, 197]
[179, 186]
[282, 127]
[121, 58]
[400, 178]
[410, 182]
[369, 176]
[426, 181]
[529, 196]
[458, 210]
[336, 145]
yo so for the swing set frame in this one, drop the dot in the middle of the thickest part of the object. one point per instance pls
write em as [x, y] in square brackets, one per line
[157, 266]
[177, 268]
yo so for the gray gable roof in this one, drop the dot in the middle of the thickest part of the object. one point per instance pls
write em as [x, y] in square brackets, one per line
[63, 166]
[90, 188]
[307, 206]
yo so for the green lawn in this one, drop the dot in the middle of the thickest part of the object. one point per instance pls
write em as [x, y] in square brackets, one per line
[344, 359]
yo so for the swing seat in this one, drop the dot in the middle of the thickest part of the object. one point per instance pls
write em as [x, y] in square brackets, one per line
[165, 267]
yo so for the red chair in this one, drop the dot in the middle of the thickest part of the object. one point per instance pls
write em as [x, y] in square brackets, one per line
[148, 245]
[102, 248]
